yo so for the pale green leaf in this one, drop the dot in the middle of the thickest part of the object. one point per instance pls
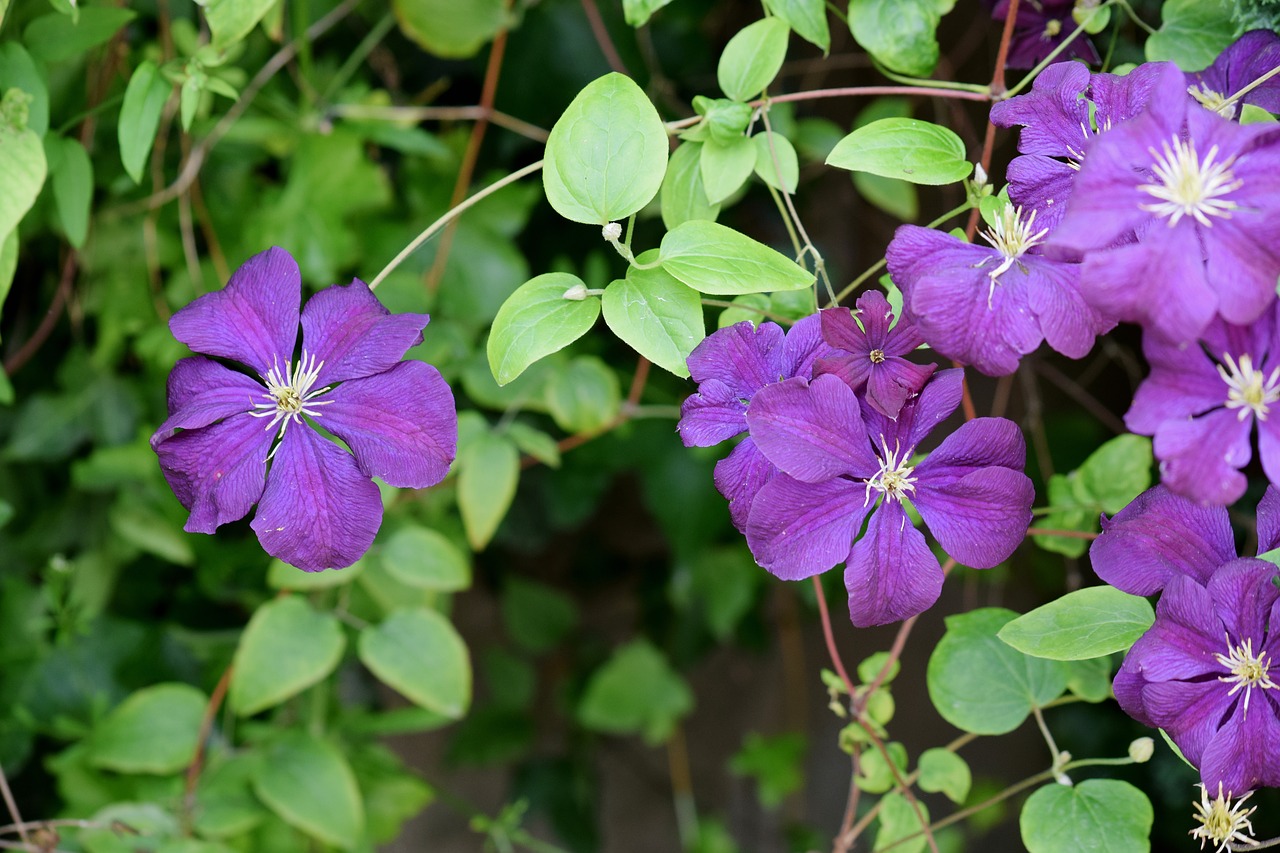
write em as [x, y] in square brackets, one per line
[538, 320]
[717, 260]
[899, 34]
[72, 188]
[635, 692]
[19, 71]
[904, 148]
[309, 784]
[725, 167]
[144, 100]
[1087, 623]
[585, 397]
[807, 17]
[418, 653]
[56, 37]
[286, 647]
[488, 470]
[683, 195]
[1099, 815]
[453, 29]
[638, 12]
[942, 771]
[1192, 33]
[607, 153]
[22, 162]
[155, 730]
[281, 575]
[898, 820]
[752, 58]
[232, 20]
[784, 174]
[425, 558]
[657, 315]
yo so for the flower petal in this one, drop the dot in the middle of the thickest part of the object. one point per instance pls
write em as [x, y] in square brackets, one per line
[1053, 114]
[740, 356]
[202, 391]
[1183, 382]
[717, 412]
[318, 511]
[802, 348]
[1201, 458]
[895, 381]
[1269, 523]
[891, 573]
[812, 430]
[217, 471]
[1242, 755]
[739, 476]
[400, 424]
[797, 530]
[918, 416]
[1243, 595]
[347, 329]
[1189, 712]
[979, 518]
[1160, 535]
[253, 320]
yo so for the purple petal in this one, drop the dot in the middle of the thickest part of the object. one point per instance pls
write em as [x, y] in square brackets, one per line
[1187, 633]
[979, 443]
[797, 530]
[401, 424]
[217, 472]
[1243, 596]
[1041, 184]
[1119, 97]
[717, 412]
[812, 430]
[347, 329]
[1068, 323]
[739, 476]
[917, 418]
[253, 320]
[842, 332]
[1160, 535]
[1051, 114]
[1252, 55]
[1128, 686]
[802, 349]
[318, 511]
[1183, 382]
[1188, 712]
[1201, 458]
[202, 391]
[1269, 523]
[741, 356]
[1242, 755]
[891, 574]
[895, 381]
[979, 518]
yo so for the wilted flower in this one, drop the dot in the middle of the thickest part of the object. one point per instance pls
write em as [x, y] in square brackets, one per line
[730, 366]
[839, 462]
[874, 365]
[987, 306]
[234, 439]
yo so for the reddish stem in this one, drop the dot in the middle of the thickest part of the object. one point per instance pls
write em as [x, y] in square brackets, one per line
[601, 33]
[998, 88]
[829, 636]
[206, 726]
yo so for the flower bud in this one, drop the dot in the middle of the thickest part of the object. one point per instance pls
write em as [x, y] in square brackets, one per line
[611, 232]
[577, 293]
[1141, 750]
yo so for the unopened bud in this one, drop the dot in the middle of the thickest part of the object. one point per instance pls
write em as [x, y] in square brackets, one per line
[979, 174]
[1141, 750]
[577, 293]
[611, 232]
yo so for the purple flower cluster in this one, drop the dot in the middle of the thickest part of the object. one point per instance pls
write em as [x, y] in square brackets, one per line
[234, 438]
[834, 416]
[1202, 671]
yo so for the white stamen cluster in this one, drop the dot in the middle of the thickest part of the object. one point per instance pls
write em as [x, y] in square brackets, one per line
[1221, 822]
[1012, 237]
[1190, 186]
[1247, 670]
[1212, 100]
[289, 395]
[1247, 388]
[894, 479]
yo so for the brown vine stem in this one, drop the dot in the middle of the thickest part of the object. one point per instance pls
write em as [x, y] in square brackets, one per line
[206, 726]
[601, 34]
[997, 90]
[466, 171]
[827, 634]
[14, 363]
[12, 805]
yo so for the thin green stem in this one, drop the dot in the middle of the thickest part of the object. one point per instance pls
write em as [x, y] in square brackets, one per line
[358, 55]
[76, 119]
[880, 264]
[1255, 84]
[1053, 56]
[299, 11]
[952, 88]
[786, 220]
[1133, 16]
[453, 214]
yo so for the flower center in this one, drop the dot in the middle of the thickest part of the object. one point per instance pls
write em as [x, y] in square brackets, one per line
[1247, 389]
[1190, 186]
[1052, 29]
[1212, 100]
[894, 479]
[289, 392]
[1222, 823]
[1012, 236]
[1247, 671]
[877, 356]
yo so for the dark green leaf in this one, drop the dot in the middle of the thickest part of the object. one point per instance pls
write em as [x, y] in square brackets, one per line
[286, 647]
[55, 37]
[418, 653]
[18, 71]
[72, 181]
[1192, 33]
[538, 617]
[899, 34]
[776, 763]
[308, 783]
[1087, 623]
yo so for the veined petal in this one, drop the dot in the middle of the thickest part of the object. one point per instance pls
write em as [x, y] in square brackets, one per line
[1268, 515]
[1069, 324]
[1243, 596]
[1242, 262]
[979, 443]
[1183, 382]
[739, 476]
[1160, 535]
[918, 416]
[400, 424]
[802, 347]
[812, 430]
[978, 518]
[1128, 686]
[1242, 755]
[218, 471]
[891, 573]
[253, 320]
[797, 530]
[1189, 712]
[1162, 287]
[716, 412]
[1201, 458]
[1042, 184]
[894, 382]
[353, 335]
[1053, 115]
[740, 356]
[318, 511]
[202, 391]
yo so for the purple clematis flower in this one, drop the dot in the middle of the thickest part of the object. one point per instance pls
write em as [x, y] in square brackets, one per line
[1041, 26]
[233, 439]
[730, 366]
[1212, 394]
[1202, 673]
[1066, 108]
[1177, 178]
[875, 353]
[1250, 57]
[988, 307]
[840, 462]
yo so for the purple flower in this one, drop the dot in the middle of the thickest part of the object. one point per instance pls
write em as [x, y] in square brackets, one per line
[1041, 26]
[1175, 213]
[317, 506]
[875, 353]
[1202, 401]
[988, 307]
[1065, 109]
[1251, 56]
[839, 462]
[1202, 673]
[730, 366]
